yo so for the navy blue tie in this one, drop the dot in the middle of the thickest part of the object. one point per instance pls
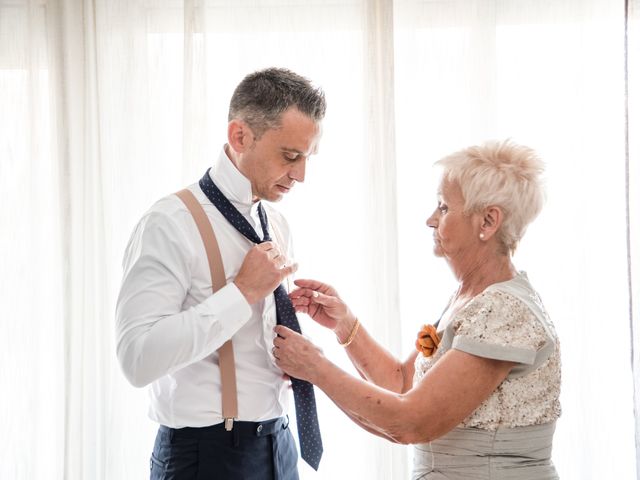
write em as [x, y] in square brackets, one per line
[303, 394]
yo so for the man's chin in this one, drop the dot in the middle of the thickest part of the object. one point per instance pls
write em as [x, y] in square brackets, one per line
[277, 193]
[273, 197]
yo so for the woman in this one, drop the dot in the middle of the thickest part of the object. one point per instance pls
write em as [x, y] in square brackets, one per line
[479, 397]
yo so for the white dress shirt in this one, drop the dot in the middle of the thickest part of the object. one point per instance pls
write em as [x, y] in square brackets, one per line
[169, 324]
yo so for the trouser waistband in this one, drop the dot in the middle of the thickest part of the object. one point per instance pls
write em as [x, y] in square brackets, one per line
[241, 429]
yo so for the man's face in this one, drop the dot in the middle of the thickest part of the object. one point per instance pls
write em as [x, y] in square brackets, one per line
[278, 159]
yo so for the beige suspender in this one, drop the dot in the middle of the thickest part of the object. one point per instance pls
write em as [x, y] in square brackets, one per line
[218, 280]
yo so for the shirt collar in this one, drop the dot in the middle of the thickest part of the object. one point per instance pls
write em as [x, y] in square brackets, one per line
[233, 184]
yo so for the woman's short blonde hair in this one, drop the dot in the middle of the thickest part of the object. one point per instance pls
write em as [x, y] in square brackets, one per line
[503, 174]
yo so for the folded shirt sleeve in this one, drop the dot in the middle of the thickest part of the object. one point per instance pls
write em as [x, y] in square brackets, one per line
[499, 326]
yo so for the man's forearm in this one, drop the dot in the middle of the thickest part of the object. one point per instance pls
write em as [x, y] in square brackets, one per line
[152, 345]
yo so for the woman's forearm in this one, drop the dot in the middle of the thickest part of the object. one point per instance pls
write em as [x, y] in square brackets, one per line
[374, 363]
[381, 412]
[452, 389]
[364, 426]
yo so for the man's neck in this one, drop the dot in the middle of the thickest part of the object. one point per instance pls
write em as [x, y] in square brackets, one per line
[233, 156]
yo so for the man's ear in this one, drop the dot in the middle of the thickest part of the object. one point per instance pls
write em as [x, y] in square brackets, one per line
[239, 136]
[491, 221]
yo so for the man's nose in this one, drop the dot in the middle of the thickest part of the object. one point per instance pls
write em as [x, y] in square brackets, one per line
[298, 170]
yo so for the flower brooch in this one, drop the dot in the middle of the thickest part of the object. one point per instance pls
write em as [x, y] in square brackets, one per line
[428, 340]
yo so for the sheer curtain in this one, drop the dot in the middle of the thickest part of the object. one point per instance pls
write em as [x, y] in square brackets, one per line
[633, 193]
[32, 294]
[107, 105]
[549, 75]
[110, 105]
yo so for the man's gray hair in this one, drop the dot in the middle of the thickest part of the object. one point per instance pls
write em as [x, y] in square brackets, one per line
[262, 97]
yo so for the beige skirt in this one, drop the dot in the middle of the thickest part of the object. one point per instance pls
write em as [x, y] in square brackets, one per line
[522, 453]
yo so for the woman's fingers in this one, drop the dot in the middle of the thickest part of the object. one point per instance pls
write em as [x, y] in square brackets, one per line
[301, 293]
[315, 285]
[294, 354]
[312, 296]
[282, 332]
[300, 300]
[301, 304]
[322, 299]
[309, 283]
[306, 301]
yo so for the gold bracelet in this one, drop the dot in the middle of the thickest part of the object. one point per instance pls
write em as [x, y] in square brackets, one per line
[352, 335]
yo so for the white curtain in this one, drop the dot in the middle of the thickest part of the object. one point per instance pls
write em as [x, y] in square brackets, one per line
[107, 105]
[633, 194]
[549, 75]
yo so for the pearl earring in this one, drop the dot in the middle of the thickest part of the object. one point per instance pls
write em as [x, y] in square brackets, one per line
[482, 236]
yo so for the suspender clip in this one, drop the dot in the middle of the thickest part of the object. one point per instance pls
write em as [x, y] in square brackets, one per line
[228, 424]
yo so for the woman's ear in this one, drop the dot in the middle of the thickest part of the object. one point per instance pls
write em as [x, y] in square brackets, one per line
[491, 221]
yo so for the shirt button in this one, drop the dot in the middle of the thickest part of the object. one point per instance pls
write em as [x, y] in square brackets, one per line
[259, 428]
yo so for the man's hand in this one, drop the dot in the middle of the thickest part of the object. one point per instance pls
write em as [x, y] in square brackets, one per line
[263, 269]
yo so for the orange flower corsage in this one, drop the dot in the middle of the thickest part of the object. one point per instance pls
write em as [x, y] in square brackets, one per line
[428, 340]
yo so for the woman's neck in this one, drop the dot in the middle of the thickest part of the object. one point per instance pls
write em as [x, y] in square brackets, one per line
[487, 271]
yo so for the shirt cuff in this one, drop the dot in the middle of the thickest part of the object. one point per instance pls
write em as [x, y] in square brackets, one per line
[494, 351]
[229, 306]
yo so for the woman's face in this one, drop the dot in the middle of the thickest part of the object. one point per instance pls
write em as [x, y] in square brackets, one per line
[454, 233]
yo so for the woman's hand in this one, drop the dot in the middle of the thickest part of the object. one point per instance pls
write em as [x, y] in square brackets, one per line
[322, 303]
[297, 356]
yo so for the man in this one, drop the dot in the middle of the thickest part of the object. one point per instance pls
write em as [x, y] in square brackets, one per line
[170, 324]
